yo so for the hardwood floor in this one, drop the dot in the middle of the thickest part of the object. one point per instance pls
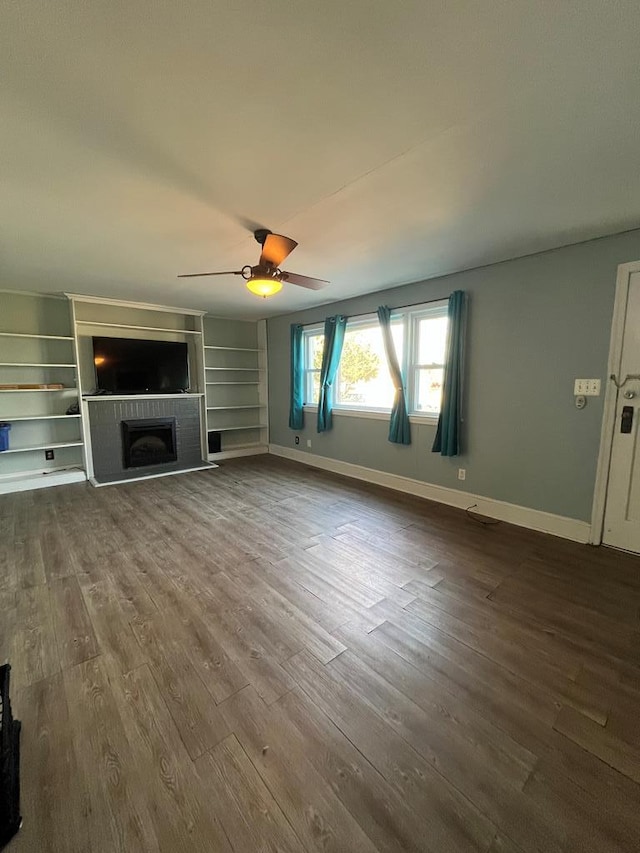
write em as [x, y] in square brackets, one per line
[268, 658]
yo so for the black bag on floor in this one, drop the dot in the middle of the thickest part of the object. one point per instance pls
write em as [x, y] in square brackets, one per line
[10, 819]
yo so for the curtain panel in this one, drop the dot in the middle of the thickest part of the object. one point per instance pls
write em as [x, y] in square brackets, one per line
[334, 329]
[399, 426]
[447, 441]
[296, 388]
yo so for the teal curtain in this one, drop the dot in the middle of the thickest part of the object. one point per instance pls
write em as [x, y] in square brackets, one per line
[399, 426]
[296, 411]
[447, 441]
[334, 329]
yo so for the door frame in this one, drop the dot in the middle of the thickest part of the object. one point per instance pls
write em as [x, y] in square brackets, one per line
[625, 272]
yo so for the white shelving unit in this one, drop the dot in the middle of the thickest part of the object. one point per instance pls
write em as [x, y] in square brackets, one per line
[63, 390]
[36, 347]
[39, 337]
[44, 417]
[50, 446]
[229, 408]
[233, 349]
[34, 364]
[235, 367]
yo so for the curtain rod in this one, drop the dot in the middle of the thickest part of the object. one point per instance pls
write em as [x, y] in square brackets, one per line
[373, 313]
[397, 308]
[415, 304]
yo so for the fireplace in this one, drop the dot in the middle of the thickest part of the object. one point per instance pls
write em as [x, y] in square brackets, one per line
[149, 441]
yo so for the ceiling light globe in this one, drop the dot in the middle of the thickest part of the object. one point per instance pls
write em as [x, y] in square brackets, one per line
[264, 286]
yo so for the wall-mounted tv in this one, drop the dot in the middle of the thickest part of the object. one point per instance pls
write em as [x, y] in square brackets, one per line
[130, 366]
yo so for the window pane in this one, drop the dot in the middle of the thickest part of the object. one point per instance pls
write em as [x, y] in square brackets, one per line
[429, 390]
[432, 335]
[363, 378]
[316, 345]
[315, 386]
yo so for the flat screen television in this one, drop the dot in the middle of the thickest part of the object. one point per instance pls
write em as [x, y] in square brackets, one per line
[130, 366]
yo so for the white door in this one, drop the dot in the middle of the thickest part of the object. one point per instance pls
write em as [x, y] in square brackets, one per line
[622, 513]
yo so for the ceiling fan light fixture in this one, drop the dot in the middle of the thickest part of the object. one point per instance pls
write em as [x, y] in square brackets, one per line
[264, 286]
[266, 277]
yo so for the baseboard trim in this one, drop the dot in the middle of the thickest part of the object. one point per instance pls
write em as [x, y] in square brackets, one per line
[533, 519]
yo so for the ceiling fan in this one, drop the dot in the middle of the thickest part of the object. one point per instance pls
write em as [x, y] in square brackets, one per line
[266, 278]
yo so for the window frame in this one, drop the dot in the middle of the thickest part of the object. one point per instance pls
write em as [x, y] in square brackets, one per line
[410, 318]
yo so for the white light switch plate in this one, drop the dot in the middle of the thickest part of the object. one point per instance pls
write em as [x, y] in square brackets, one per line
[586, 388]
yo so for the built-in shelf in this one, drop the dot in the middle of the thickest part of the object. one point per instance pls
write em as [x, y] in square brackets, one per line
[138, 328]
[249, 446]
[236, 427]
[96, 397]
[234, 349]
[225, 408]
[36, 390]
[236, 380]
[39, 351]
[238, 450]
[40, 418]
[33, 364]
[51, 446]
[37, 337]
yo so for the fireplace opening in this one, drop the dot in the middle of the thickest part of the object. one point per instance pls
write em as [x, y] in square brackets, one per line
[149, 441]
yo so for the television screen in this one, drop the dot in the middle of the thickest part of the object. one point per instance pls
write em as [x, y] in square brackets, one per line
[129, 366]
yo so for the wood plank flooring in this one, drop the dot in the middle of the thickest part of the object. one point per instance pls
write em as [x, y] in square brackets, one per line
[267, 658]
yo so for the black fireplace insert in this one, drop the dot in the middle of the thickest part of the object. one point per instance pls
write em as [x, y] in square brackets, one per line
[149, 441]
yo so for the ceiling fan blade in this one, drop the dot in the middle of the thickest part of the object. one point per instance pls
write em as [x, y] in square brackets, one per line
[304, 280]
[198, 274]
[275, 249]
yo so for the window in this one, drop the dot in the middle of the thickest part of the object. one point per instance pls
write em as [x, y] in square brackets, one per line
[426, 369]
[363, 382]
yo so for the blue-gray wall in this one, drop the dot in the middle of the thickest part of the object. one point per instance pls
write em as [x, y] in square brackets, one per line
[535, 325]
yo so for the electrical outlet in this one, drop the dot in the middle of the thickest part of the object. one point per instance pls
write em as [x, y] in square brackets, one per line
[586, 388]
[297, 439]
[49, 455]
[462, 473]
[308, 442]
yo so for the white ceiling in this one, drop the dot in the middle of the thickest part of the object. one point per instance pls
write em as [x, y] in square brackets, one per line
[393, 140]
